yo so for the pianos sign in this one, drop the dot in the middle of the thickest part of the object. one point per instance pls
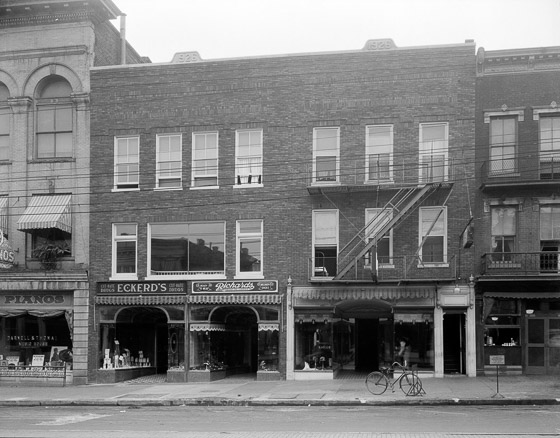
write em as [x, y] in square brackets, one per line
[234, 286]
[7, 255]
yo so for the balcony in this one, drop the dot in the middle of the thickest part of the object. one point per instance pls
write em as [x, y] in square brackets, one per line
[520, 264]
[510, 172]
[393, 269]
[353, 176]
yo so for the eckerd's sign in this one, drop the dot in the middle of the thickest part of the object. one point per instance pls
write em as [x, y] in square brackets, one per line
[7, 255]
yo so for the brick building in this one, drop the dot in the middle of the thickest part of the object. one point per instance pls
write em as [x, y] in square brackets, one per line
[291, 216]
[517, 231]
[46, 50]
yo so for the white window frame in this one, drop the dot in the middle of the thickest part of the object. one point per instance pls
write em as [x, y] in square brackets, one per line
[319, 153]
[208, 172]
[502, 158]
[379, 222]
[160, 161]
[248, 236]
[551, 154]
[135, 184]
[426, 152]
[244, 175]
[115, 240]
[376, 149]
[335, 239]
[444, 262]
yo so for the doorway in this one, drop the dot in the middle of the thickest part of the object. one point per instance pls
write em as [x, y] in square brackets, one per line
[543, 345]
[454, 342]
[367, 335]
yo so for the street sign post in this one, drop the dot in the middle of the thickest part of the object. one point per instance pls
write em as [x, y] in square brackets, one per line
[497, 359]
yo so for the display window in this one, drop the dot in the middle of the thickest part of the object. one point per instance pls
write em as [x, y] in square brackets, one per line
[417, 331]
[313, 342]
[501, 322]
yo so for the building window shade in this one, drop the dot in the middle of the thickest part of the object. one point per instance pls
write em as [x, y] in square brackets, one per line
[47, 211]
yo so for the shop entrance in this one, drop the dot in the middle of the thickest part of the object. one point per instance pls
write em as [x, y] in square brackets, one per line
[543, 345]
[454, 342]
[142, 334]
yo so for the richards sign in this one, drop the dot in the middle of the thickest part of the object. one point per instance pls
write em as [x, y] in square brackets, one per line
[234, 286]
[7, 255]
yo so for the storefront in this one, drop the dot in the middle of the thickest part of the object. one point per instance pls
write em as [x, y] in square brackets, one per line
[359, 329]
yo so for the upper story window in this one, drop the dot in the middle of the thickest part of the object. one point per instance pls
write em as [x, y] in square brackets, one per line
[169, 163]
[248, 156]
[184, 248]
[550, 223]
[325, 243]
[503, 232]
[125, 238]
[249, 248]
[3, 216]
[433, 234]
[503, 145]
[379, 153]
[326, 152]
[549, 150]
[4, 123]
[376, 220]
[127, 163]
[433, 152]
[54, 122]
[205, 159]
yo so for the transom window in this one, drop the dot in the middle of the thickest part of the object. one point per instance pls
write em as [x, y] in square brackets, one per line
[125, 238]
[250, 248]
[433, 234]
[54, 125]
[127, 163]
[503, 144]
[169, 163]
[379, 153]
[248, 157]
[205, 159]
[181, 248]
[433, 152]
[326, 145]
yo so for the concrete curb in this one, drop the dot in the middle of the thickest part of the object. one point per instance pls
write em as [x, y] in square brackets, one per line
[216, 401]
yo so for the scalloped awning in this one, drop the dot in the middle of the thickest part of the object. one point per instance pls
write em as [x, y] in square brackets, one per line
[142, 300]
[235, 299]
[363, 293]
[47, 211]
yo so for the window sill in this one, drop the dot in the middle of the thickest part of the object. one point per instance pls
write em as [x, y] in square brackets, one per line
[166, 189]
[5, 162]
[326, 183]
[247, 186]
[204, 188]
[432, 265]
[52, 160]
[115, 190]
[259, 276]
[123, 278]
[382, 182]
[186, 276]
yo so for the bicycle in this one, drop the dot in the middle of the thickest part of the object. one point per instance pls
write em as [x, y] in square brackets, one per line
[377, 382]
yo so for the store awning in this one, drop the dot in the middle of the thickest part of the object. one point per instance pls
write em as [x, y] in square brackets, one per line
[47, 211]
[523, 295]
[236, 299]
[4, 214]
[142, 300]
[362, 308]
[364, 293]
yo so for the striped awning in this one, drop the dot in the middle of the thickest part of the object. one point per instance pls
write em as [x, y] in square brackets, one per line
[364, 293]
[236, 299]
[4, 214]
[47, 211]
[142, 300]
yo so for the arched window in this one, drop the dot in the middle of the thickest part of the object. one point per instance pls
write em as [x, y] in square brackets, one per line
[4, 123]
[54, 118]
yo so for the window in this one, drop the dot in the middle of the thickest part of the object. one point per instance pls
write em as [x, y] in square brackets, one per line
[503, 143]
[549, 138]
[181, 248]
[125, 238]
[433, 152]
[503, 233]
[3, 216]
[248, 157]
[4, 124]
[249, 248]
[205, 159]
[379, 153]
[325, 154]
[127, 161]
[54, 119]
[376, 219]
[550, 238]
[168, 167]
[325, 243]
[433, 234]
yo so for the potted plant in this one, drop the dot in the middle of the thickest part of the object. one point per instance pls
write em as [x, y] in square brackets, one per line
[49, 253]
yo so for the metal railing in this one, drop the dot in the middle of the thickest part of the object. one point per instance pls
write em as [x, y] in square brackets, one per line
[520, 263]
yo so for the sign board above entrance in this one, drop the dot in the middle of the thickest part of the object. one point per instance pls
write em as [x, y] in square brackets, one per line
[234, 286]
[142, 287]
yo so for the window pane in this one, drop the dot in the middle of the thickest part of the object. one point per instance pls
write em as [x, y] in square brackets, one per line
[4, 123]
[326, 140]
[428, 217]
[326, 227]
[63, 119]
[503, 221]
[379, 166]
[432, 250]
[4, 147]
[125, 230]
[45, 119]
[126, 257]
[326, 168]
[250, 255]
[250, 226]
[45, 146]
[64, 144]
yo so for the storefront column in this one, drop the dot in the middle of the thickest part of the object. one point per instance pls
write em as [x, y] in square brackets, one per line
[438, 342]
[290, 333]
[471, 342]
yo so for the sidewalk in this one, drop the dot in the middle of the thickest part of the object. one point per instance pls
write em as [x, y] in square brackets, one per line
[541, 390]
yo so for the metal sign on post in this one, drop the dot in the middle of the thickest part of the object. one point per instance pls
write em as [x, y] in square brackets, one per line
[497, 359]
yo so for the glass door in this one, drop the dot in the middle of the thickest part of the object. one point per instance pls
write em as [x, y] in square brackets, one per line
[543, 345]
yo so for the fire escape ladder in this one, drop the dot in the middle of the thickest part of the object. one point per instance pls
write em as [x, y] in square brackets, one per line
[401, 206]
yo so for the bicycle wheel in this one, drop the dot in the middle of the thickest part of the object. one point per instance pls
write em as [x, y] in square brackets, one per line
[410, 385]
[376, 383]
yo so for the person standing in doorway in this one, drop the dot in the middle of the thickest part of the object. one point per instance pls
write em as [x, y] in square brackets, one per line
[403, 355]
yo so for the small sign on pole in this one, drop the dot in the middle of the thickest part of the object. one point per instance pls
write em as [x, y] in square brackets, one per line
[497, 359]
